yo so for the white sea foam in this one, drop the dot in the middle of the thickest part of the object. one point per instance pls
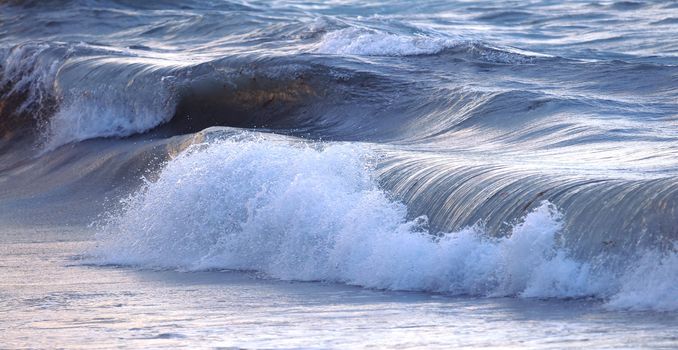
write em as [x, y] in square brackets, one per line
[304, 213]
[369, 42]
[372, 42]
[649, 283]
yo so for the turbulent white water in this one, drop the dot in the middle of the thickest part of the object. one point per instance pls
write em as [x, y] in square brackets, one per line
[368, 42]
[315, 213]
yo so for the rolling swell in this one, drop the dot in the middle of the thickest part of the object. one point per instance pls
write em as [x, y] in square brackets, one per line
[431, 159]
[59, 94]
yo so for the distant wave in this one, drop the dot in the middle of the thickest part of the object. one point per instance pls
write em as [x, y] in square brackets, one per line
[59, 89]
[308, 213]
[371, 42]
[358, 41]
[75, 92]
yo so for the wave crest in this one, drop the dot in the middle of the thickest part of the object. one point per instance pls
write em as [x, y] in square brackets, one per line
[371, 42]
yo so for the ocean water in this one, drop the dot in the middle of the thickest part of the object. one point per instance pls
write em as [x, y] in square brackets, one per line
[301, 174]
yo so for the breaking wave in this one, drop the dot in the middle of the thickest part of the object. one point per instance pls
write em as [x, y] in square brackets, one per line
[309, 212]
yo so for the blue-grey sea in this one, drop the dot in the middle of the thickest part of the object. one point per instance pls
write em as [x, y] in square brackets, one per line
[338, 174]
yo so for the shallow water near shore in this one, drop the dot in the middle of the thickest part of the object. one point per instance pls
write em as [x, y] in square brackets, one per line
[55, 300]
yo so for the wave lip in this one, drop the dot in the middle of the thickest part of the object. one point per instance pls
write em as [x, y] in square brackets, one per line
[308, 212]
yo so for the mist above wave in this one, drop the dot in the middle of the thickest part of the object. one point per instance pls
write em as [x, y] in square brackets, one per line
[315, 212]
